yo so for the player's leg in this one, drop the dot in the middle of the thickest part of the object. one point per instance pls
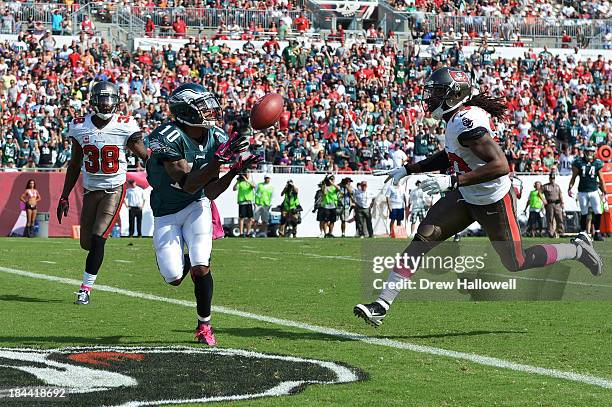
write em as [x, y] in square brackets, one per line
[197, 232]
[168, 244]
[106, 215]
[499, 222]
[88, 217]
[583, 202]
[595, 204]
[435, 228]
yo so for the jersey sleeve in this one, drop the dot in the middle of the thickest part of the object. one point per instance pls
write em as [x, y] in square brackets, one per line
[72, 127]
[577, 163]
[164, 149]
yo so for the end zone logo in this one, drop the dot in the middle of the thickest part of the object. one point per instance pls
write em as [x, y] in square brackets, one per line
[130, 376]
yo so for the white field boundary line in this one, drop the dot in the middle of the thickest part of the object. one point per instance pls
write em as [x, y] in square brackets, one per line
[471, 357]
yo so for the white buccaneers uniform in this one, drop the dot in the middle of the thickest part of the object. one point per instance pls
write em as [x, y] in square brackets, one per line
[104, 167]
[104, 163]
[466, 120]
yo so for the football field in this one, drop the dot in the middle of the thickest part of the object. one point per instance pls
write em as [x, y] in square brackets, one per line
[287, 335]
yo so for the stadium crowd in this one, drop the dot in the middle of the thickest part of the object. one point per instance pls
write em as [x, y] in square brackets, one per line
[349, 108]
[599, 9]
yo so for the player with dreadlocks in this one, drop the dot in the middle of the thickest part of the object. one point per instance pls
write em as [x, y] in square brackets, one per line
[478, 189]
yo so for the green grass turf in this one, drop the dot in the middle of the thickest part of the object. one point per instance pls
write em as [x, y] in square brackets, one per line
[290, 283]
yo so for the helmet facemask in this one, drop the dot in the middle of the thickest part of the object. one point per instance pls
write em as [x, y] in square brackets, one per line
[104, 105]
[207, 110]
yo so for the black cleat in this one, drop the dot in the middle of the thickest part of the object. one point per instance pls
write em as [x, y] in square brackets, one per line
[587, 254]
[598, 237]
[82, 297]
[372, 313]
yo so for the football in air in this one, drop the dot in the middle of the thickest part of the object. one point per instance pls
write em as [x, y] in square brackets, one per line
[267, 111]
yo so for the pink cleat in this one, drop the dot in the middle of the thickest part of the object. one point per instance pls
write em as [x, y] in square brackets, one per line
[204, 334]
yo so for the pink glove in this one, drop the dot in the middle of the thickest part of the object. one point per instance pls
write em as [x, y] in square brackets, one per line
[226, 151]
[241, 164]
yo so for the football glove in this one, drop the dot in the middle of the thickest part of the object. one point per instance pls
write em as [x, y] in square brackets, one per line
[234, 145]
[62, 208]
[243, 164]
[395, 174]
[434, 184]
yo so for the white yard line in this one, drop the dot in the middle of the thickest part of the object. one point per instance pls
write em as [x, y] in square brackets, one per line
[47, 262]
[122, 261]
[471, 357]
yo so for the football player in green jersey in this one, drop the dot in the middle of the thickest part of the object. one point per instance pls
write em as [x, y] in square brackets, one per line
[186, 155]
[588, 170]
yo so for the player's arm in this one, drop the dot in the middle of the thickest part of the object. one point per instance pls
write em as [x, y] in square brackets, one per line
[575, 173]
[217, 186]
[191, 181]
[22, 198]
[72, 176]
[436, 162]
[136, 145]
[485, 148]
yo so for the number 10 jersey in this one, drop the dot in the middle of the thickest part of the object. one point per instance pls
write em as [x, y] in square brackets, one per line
[104, 163]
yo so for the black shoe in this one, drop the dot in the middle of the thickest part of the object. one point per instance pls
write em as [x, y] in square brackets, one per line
[372, 313]
[587, 254]
[329, 235]
[598, 237]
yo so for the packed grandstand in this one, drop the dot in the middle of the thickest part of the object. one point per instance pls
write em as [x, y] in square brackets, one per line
[352, 87]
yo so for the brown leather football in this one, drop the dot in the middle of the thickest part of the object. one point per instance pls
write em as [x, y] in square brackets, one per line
[267, 111]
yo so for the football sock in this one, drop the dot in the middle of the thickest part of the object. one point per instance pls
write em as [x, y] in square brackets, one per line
[391, 288]
[186, 266]
[203, 290]
[95, 255]
[596, 222]
[583, 223]
[88, 281]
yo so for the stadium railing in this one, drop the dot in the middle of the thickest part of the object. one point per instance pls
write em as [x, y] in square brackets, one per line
[212, 18]
[542, 30]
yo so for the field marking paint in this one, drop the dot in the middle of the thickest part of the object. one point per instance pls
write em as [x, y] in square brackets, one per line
[122, 261]
[268, 258]
[471, 357]
[47, 262]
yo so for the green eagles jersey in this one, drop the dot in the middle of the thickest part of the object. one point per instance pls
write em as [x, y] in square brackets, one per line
[588, 173]
[169, 142]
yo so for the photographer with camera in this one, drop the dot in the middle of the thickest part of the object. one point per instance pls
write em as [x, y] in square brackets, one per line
[246, 195]
[290, 210]
[329, 203]
[346, 202]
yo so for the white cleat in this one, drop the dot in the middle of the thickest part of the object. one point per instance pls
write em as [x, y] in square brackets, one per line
[588, 256]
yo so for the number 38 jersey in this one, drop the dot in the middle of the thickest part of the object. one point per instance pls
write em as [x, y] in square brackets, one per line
[104, 163]
[472, 120]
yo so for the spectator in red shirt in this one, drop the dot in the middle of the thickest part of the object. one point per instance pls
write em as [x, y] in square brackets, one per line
[179, 27]
[565, 40]
[149, 27]
[301, 23]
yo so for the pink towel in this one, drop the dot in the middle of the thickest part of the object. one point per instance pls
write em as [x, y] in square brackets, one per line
[218, 232]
